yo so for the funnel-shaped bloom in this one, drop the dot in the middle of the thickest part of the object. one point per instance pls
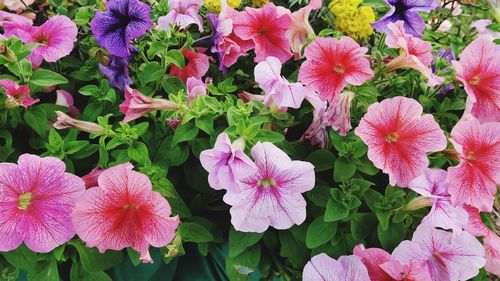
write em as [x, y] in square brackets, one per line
[124, 211]
[347, 268]
[333, 64]
[137, 105]
[195, 87]
[117, 72]
[66, 99]
[372, 258]
[479, 71]
[197, 65]
[64, 121]
[17, 94]
[182, 13]
[36, 200]
[301, 29]
[474, 181]
[399, 136]
[272, 195]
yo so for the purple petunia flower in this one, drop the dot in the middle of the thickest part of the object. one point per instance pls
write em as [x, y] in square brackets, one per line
[407, 11]
[123, 21]
[117, 72]
[448, 56]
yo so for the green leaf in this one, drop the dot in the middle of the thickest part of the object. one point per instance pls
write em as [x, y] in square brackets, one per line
[193, 232]
[319, 232]
[240, 267]
[184, 132]
[150, 72]
[362, 224]
[175, 57]
[78, 274]
[319, 195]
[93, 261]
[293, 249]
[269, 136]
[390, 238]
[322, 160]
[205, 123]
[240, 241]
[75, 146]
[36, 118]
[372, 197]
[90, 90]
[46, 78]
[138, 152]
[22, 258]
[335, 211]
[343, 169]
[46, 271]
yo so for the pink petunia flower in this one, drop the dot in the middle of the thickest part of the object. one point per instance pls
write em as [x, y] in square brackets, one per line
[372, 258]
[272, 195]
[12, 17]
[36, 197]
[90, 179]
[340, 117]
[483, 32]
[124, 211]
[277, 89]
[195, 87]
[17, 94]
[137, 105]
[333, 64]
[347, 268]
[474, 181]
[225, 162]
[432, 183]
[398, 138]
[17, 5]
[416, 53]
[267, 27]
[301, 30]
[317, 133]
[196, 66]
[447, 256]
[56, 37]
[65, 121]
[182, 13]
[66, 99]
[405, 272]
[479, 71]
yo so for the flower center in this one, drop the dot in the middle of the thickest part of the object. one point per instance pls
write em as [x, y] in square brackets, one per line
[266, 183]
[474, 80]
[470, 155]
[400, 9]
[392, 137]
[262, 31]
[130, 206]
[339, 69]
[24, 201]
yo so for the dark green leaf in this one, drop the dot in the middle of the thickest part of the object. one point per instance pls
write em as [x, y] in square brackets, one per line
[239, 241]
[320, 232]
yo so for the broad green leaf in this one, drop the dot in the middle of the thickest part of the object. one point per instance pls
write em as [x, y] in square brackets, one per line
[322, 160]
[320, 232]
[184, 132]
[46, 78]
[239, 241]
[193, 232]
[335, 211]
[343, 169]
[93, 261]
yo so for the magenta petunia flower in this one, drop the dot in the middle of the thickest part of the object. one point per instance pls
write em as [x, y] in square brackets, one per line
[446, 256]
[267, 27]
[416, 53]
[474, 181]
[277, 89]
[372, 258]
[479, 71]
[197, 65]
[36, 197]
[56, 38]
[66, 99]
[17, 94]
[348, 268]
[301, 30]
[333, 64]
[182, 13]
[398, 138]
[225, 162]
[124, 211]
[17, 5]
[272, 195]
[137, 105]
[195, 87]
[432, 183]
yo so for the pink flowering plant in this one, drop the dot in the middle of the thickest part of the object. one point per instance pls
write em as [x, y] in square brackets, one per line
[322, 140]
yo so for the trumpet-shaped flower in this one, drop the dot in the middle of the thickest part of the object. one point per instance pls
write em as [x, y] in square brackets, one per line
[123, 21]
[399, 136]
[137, 105]
[267, 27]
[36, 197]
[64, 121]
[416, 53]
[124, 211]
[479, 70]
[17, 94]
[474, 181]
[272, 195]
[182, 13]
[196, 66]
[301, 29]
[333, 64]
[347, 268]
[117, 72]
[446, 256]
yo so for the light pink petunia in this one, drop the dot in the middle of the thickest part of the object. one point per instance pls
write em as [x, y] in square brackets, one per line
[277, 89]
[197, 65]
[56, 37]
[35, 203]
[372, 258]
[406, 272]
[65, 121]
[124, 211]
[137, 105]
[479, 71]
[182, 13]
[483, 32]
[474, 181]
[399, 136]
[12, 17]
[447, 256]
[348, 268]
[66, 99]
[272, 195]
[225, 162]
[317, 133]
[17, 5]
[267, 27]
[416, 53]
[432, 183]
[301, 30]
[17, 94]
[195, 87]
[340, 117]
[333, 64]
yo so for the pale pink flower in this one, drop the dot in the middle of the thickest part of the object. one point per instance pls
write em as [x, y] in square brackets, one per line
[479, 71]
[195, 87]
[474, 181]
[406, 272]
[12, 17]
[333, 64]
[17, 5]
[65, 121]
[340, 119]
[272, 195]
[225, 162]
[483, 32]
[432, 183]
[137, 105]
[36, 197]
[447, 256]
[372, 258]
[416, 53]
[399, 136]
[277, 89]
[348, 268]
[56, 37]
[301, 29]
[317, 133]
[17, 94]
[124, 211]
[475, 225]
[66, 99]
[182, 13]
[445, 26]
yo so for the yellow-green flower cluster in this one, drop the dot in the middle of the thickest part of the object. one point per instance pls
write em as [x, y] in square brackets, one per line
[259, 3]
[351, 19]
[215, 6]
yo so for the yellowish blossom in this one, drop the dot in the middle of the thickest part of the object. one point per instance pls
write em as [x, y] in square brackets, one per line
[259, 3]
[215, 6]
[351, 19]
